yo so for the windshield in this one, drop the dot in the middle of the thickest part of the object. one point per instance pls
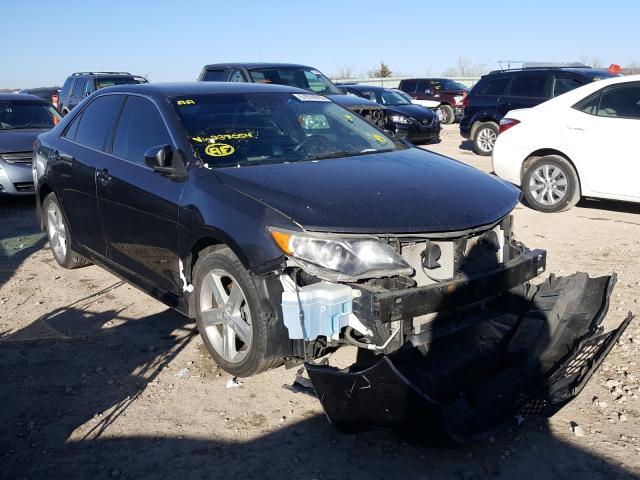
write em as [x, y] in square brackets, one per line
[257, 128]
[23, 114]
[446, 84]
[110, 81]
[389, 97]
[404, 95]
[307, 78]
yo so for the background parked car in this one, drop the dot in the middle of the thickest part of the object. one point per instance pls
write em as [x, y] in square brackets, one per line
[448, 93]
[292, 75]
[582, 143]
[503, 90]
[48, 94]
[406, 120]
[80, 85]
[22, 118]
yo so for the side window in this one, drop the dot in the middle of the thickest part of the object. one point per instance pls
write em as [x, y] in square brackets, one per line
[590, 104]
[408, 86]
[495, 87]
[97, 120]
[70, 134]
[78, 87]
[422, 86]
[237, 76]
[564, 84]
[214, 76]
[529, 86]
[66, 88]
[88, 89]
[620, 101]
[140, 127]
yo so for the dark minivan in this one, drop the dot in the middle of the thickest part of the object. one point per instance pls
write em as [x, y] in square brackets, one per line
[287, 227]
[501, 91]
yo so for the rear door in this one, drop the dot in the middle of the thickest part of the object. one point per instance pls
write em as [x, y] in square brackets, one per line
[602, 131]
[526, 90]
[79, 155]
[139, 207]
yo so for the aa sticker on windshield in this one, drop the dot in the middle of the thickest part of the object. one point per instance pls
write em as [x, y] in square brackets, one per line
[186, 102]
[219, 150]
[310, 97]
[379, 138]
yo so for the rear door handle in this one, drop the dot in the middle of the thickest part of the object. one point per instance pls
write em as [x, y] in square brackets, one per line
[103, 176]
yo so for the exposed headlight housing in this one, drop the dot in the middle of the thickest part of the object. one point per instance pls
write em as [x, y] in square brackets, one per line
[458, 99]
[337, 258]
[400, 119]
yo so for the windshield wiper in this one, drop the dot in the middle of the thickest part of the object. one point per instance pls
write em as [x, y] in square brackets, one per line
[342, 154]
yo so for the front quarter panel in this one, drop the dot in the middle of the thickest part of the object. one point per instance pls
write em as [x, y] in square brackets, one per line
[212, 211]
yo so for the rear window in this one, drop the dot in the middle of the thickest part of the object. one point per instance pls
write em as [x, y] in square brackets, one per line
[529, 86]
[97, 121]
[214, 76]
[102, 82]
[494, 87]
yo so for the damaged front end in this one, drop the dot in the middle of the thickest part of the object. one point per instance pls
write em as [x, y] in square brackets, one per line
[456, 345]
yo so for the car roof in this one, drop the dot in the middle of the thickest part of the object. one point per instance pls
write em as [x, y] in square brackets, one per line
[199, 88]
[367, 87]
[20, 97]
[578, 70]
[251, 65]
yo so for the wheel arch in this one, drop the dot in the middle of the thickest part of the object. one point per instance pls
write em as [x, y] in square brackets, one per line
[543, 152]
[479, 120]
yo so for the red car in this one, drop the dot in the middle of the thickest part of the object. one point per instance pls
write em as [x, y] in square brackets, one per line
[443, 90]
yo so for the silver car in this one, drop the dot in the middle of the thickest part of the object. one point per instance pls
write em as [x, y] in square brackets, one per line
[22, 119]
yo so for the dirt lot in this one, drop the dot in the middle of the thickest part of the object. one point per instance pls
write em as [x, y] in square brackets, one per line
[98, 380]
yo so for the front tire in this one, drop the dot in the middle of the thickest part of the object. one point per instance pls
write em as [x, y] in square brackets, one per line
[229, 314]
[550, 184]
[59, 235]
[447, 115]
[484, 138]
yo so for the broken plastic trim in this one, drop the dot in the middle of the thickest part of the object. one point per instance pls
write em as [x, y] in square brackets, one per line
[528, 359]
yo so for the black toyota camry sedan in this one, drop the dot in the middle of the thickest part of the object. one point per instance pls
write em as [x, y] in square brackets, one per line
[287, 227]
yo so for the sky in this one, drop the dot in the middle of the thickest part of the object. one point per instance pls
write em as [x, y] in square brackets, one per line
[42, 42]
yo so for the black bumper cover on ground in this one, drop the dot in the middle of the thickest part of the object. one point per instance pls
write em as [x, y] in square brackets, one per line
[529, 357]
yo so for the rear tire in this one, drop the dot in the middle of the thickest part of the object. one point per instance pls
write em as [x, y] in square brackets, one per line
[59, 235]
[229, 315]
[550, 184]
[484, 138]
[447, 115]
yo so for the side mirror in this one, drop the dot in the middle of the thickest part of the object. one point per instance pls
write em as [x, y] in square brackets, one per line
[159, 158]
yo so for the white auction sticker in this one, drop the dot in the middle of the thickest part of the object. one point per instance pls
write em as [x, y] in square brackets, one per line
[310, 97]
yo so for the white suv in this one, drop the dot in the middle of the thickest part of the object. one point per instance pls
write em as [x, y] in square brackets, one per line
[580, 144]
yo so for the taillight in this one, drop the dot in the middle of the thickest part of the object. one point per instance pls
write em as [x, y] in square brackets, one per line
[507, 123]
[465, 101]
[54, 100]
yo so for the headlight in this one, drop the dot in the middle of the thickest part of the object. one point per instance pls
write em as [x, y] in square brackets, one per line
[350, 257]
[400, 119]
[458, 99]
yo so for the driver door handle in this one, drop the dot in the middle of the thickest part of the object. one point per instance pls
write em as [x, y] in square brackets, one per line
[103, 177]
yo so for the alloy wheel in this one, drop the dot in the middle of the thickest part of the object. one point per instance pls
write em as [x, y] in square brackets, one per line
[486, 139]
[548, 184]
[56, 230]
[225, 316]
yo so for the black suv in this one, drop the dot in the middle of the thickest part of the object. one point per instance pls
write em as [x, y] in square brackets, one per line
[82, 84]
[503, 90]
[293, 75]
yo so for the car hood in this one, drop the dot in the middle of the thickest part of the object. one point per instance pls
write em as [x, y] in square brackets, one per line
[406, 191]
[415, 111]
[18, 140]
[352, 101]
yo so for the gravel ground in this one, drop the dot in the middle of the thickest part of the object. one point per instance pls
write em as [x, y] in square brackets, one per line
[98, 380]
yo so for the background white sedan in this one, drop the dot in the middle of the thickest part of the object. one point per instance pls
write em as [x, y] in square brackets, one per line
[585, 143]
